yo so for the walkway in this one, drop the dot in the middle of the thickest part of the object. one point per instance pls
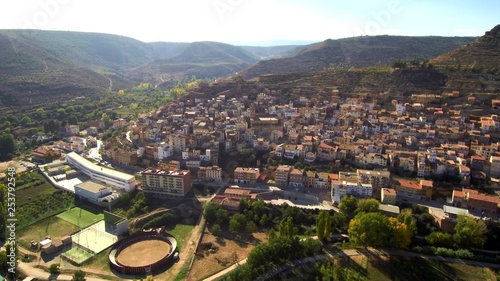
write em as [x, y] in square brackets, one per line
[225, 271]
[40, 274]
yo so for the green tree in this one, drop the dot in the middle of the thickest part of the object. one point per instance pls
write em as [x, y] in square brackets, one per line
[250, 227]
[469, 232]
[348, 205]
[272, 235]
[79, 275]
[368, 205]
[61, 113]
[215, 229]
[54, 268]
[7, 146]
[234, 226]
[221, 216]
[210, 214]
[25, 120]
[370, 229]
[323, 224]
[40, 113]
[264, 220]
[441, 239]
[286, 228]
[237, 223]
[406, 217]
[340, 221]
[400, 235]
[72, 120]
[106, 119]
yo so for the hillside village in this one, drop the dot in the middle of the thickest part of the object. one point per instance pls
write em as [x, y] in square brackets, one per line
[414, 145]
[409, 146]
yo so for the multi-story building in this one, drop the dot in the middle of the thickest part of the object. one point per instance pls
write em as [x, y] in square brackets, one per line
[321, 181]
[421, 164]
[164, 151]
[410, 189]
[495, 166]
[246, 175]
[327, 152]
[121, 156]
[265, 124]
[378, 179]
[296, 178]
[113, 178]
[166, 182]
[344, 188]
[213, 173]
[178, 142]
[476, 202]
[388, 196]
[282, 175]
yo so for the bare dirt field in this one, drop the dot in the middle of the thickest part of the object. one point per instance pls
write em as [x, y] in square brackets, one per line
[5, 165]
[143, 253]
[217, 253]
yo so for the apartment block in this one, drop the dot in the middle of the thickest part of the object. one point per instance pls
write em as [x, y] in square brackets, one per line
[166, 182]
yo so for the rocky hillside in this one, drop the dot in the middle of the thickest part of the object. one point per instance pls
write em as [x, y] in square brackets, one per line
[482, 55]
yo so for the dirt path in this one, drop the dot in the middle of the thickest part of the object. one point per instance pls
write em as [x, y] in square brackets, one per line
[31, 271]
[186, 255]
[110, 88]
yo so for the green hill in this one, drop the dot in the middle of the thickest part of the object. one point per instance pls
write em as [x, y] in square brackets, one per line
[358, 52]
[200, 59]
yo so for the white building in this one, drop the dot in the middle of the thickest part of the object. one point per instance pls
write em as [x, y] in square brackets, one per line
[344, 188]
[164, 151]
[96, 193]
[113, 178]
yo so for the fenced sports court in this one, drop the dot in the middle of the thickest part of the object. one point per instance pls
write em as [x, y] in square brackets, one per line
[80, 217]
[78, 254]
[95, 238]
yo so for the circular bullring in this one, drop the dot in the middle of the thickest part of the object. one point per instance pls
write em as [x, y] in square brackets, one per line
[142, 252]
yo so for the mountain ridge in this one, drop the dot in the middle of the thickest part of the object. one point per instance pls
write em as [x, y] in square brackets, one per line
[481, 55]
[358, 52]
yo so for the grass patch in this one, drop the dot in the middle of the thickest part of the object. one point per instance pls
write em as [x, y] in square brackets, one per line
[180, 232]
[182, 275]
[52, 226]
[81, 217]
[28, 194]
[99, 262]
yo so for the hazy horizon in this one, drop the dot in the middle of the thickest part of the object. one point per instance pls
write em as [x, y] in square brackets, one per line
[253, 23]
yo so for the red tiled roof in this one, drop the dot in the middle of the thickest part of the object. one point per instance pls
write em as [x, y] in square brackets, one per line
[483, 197]
[389, 191]
[333, 177]
[458, 193]
[409, 184]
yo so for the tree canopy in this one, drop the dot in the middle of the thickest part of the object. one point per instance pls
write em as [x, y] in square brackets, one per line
[469, 232]
[367, 205]
[377, 230]
[348, 205]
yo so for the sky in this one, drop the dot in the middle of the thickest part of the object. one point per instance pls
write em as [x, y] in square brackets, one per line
[253, 22]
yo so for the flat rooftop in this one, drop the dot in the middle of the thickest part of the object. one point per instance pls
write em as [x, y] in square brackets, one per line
[91, 186]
